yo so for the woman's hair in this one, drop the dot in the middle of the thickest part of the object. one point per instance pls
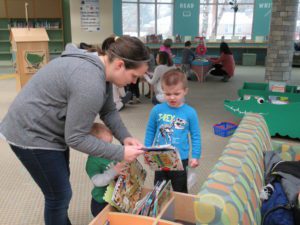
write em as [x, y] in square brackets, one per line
[164, 59]
[168, 42]
[130, 49]
[224, 48]
[174, 77]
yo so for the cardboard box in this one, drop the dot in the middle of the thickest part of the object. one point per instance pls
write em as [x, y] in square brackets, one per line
[177, 210]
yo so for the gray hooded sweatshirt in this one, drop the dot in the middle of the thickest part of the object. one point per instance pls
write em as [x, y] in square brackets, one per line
[58, 106]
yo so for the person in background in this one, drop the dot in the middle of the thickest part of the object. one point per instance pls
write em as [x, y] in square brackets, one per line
[121, 98]
[201, 48]
[166, 47]
[56, 110]
[151, 65]
[224, 66]
[163, 65]
[150, 71]
[187, 57]
[135, 90]
[101, 171]
[172, 122]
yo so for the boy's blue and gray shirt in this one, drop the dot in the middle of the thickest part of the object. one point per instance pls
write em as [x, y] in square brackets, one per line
[58, 106]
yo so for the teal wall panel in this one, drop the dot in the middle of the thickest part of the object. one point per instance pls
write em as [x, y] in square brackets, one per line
[186, 17]
[67, 22]
[262, 18]
[117, 17]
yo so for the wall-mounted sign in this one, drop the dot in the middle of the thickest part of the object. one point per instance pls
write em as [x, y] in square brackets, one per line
[89, 14]
[186, 12]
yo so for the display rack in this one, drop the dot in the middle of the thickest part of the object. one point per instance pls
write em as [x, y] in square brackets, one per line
[41, 13]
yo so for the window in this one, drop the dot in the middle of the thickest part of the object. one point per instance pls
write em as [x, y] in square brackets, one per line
[144, 17]
[297, 31]
[226, 18]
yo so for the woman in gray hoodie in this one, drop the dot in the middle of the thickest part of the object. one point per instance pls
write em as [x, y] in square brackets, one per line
[56, 110]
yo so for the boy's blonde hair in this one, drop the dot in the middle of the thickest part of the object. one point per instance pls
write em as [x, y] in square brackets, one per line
[102, 132]
[174, 77]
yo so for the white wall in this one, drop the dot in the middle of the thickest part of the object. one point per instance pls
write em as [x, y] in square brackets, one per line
[106, 23]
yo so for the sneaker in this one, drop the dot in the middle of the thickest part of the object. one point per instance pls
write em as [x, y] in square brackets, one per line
[137, 100]
[225, 79]
[127, 97]
[131, 102]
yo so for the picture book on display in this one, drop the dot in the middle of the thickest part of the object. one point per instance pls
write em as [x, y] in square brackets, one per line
[127, 190]
[277, 86]
[163, 157]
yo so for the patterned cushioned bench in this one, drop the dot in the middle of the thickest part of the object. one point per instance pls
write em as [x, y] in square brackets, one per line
[230, 195]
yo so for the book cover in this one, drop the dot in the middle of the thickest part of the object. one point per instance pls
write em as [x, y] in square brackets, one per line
[128, 187]
[277, 86]
[279, 100]
[163, 157]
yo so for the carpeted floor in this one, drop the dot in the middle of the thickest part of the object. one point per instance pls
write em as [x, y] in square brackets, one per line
[21, 202]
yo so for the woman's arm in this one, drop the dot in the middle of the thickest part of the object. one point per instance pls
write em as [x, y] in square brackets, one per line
[112, 119]
[86, 95]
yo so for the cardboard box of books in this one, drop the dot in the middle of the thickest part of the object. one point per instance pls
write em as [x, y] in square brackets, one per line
[129, 200]
[174, 208]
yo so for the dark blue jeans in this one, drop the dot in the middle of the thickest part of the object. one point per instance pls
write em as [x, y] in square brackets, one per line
[50, 170]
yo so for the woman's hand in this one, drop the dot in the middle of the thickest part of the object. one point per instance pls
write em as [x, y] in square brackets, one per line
[131, 152]
[194, 163]
[132, 141]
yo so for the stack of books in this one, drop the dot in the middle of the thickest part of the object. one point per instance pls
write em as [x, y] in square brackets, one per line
[154, 200]
[126, 193]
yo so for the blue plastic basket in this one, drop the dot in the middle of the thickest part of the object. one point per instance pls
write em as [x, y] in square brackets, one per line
[225, 129]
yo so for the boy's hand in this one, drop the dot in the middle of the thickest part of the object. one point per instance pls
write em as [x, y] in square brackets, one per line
[132, 141]
[194, 163]
[119, 167]
[132, 152]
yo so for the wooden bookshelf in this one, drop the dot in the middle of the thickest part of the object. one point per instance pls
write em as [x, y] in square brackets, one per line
[41, 13]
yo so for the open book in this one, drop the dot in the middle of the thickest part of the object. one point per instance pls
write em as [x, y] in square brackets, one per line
[163, 157]
[128, 188]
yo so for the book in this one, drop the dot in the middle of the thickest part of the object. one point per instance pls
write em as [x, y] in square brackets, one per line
[163, 157]
[154, 200]
[279, 100]
[163, 196]
[277, 86]
[128, 188]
